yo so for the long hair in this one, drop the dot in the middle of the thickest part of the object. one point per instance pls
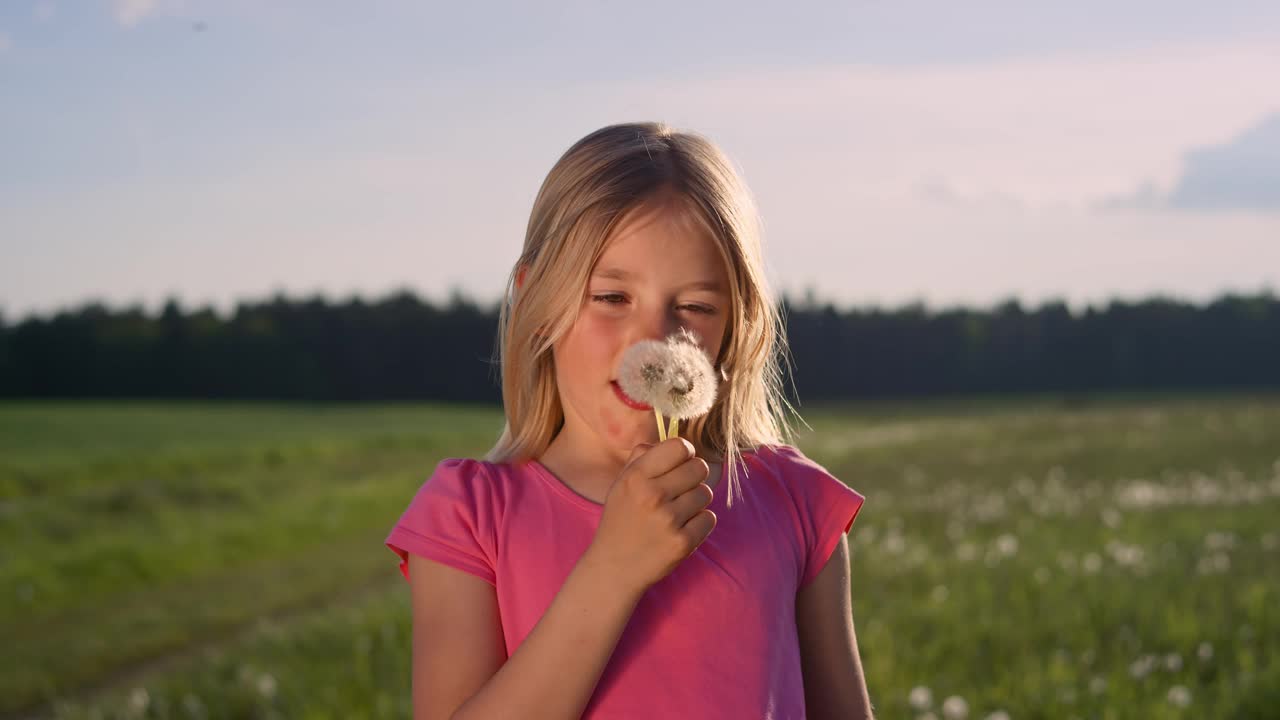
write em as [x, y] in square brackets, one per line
[591, 188]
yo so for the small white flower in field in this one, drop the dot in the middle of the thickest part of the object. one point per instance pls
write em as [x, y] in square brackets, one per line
[1007, 544]
[1092, 563]
[1097, 685]
[267, 685]
[1179, 695]
[1111, 517]
[1124, 554]
[920, 698]
[675, 377]
[1220, 540]
[966, 551]
[998, 715]
[1216, 563]
[1042, 575]
[1143, 665]
[939, 594]
[895, 544]
[955, 708]
[1173, 661]
[139, 699]
[1205, 652]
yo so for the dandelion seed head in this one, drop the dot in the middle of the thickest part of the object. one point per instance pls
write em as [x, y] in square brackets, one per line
[1142, 666]
[139, 699]
[920, 697]
[955, 708]
[674, 376]
[1179, 695]
[267, 685]
[1092, 563]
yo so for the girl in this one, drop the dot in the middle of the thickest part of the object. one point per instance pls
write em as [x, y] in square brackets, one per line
[582, 569]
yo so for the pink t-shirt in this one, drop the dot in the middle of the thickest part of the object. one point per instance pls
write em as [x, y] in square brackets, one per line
[715, 638]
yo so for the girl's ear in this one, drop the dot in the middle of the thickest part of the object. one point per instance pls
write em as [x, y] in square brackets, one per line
[520, 276]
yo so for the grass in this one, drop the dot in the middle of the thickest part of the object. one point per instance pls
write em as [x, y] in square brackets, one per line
[1104, 557]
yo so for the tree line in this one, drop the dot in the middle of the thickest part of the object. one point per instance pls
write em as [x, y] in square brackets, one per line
[405, 348]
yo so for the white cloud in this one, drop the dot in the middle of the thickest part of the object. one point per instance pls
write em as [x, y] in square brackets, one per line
[131, 12]
[1240, 174]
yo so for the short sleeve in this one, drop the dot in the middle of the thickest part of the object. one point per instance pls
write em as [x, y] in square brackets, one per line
[827, 507]
[450, 520]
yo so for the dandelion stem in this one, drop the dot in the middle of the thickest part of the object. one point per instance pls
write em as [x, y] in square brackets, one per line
[674, 430]
[662, 433]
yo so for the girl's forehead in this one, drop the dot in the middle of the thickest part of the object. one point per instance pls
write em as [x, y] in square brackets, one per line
[665, 224]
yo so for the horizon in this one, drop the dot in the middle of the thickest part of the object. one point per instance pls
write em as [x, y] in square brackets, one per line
[220, 153]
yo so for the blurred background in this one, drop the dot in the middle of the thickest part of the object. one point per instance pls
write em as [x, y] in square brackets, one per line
[250, 260]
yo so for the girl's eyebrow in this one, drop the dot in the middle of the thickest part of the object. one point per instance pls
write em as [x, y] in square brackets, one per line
[620, 274]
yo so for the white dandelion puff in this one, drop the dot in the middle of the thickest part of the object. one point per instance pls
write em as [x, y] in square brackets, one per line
[675, 377]
[1007, 545]
[1092, 563]
[1205, 652]
[139, 699]
[1179, 695]
[920, 698]
[1141, 667]
[998, 715]
[955, 708]
[266, 685]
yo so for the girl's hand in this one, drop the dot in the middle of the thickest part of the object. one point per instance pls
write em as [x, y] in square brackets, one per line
[655, 514]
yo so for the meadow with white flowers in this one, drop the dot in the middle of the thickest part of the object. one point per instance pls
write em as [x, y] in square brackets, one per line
[1105, 558]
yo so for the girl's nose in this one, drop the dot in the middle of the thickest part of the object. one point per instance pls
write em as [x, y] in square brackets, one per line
[659, 324]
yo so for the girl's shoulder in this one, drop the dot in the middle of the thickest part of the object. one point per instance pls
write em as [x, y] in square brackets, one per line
[476, 478]
[782, 458]
[795, 470]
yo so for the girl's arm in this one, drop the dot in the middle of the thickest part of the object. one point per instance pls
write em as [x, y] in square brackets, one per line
[834, 686]
[551, 675]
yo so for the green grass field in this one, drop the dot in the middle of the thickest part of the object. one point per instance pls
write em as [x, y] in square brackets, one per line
[1030, 558]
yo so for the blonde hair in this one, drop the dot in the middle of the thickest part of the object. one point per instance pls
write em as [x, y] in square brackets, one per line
[592, 187]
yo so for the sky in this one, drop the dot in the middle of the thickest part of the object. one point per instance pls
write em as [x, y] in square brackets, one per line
[220, 151]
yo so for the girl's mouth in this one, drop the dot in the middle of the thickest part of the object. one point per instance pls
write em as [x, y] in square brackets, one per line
[617, 390]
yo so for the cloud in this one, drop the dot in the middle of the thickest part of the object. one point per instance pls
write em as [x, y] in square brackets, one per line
[1043, 132]
[131, 12]
[1240, 174]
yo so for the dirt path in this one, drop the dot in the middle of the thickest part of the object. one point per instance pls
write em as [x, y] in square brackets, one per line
[137, 674]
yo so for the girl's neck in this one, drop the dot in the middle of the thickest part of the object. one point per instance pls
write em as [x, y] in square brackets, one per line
[591, 475]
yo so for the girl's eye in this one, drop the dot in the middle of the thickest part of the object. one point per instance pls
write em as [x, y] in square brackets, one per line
[616, 299]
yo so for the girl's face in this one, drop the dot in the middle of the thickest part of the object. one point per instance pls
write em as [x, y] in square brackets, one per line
[658, 272]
